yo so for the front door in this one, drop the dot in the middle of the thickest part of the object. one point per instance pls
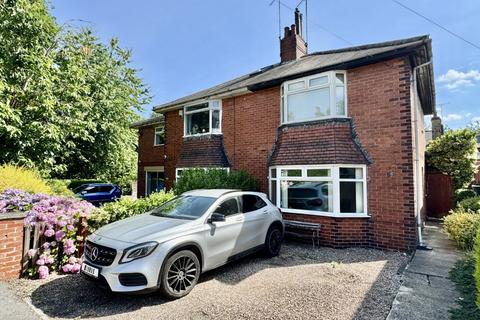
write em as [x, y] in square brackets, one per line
[155, 182]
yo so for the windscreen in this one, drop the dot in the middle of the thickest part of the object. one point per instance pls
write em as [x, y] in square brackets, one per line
[184, 207]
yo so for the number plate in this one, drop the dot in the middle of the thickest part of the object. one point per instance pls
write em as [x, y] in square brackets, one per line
[91, 271]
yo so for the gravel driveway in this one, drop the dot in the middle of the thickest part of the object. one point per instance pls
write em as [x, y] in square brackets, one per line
[302, 283]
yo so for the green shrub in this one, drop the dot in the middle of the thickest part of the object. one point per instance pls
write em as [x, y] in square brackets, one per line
[462, 274]
[462, 194]
[462, 226]
[126, 207]
[59, 187]
[477, 267]
[13, 177]
[215, 179]
[78, 182]
[472, 204]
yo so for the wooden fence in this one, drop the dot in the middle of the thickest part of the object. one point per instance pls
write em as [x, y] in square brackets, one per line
[439, 194]
[34, 239]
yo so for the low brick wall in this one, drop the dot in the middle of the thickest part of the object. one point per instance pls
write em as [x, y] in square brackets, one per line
[11, 245]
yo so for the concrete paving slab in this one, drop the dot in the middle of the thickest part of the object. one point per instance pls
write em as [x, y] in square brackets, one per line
[426, 291]
[12, 307]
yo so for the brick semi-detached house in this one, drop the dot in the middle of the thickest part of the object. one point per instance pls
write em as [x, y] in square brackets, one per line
[333, 137]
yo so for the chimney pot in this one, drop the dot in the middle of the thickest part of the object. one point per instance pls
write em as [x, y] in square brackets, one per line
[292, 46]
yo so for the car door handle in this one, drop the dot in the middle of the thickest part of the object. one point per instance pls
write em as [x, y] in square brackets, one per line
[265, 211]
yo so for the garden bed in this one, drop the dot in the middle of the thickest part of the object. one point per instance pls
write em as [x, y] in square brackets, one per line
[302, 283]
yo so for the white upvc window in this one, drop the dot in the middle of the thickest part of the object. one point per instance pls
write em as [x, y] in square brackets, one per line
[159, 136]
[314, 97]
[203, 118]
[324, 190]
[179, 171]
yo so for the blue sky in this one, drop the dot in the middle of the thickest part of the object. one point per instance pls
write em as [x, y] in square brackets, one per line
[186, 45]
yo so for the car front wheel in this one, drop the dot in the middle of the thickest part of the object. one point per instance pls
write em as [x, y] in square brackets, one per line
[180, 274]
[273, 241]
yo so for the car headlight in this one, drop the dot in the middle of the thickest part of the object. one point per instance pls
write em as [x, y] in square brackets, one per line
[138, 251]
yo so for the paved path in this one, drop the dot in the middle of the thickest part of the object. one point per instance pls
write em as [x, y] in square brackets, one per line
[426, 292]
[12, 307]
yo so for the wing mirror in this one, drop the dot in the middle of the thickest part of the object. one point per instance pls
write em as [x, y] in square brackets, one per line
[216, 217]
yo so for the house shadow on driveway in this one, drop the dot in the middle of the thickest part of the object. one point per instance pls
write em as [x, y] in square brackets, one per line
[332, 283]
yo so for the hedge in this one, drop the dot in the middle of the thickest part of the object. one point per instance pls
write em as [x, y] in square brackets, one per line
[477, 267]
[462, 194]
[126, 207]
[13, 177]
[462, 227]
[192, 179]
[472, 204]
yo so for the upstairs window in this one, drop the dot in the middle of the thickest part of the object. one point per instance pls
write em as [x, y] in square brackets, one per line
[203, 118]
[159, 138]
[314, 97]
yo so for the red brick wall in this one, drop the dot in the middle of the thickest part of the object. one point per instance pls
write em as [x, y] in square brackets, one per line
[173, 144]
[249, 125]
[11, 248]
[379, 103]
[148, 155]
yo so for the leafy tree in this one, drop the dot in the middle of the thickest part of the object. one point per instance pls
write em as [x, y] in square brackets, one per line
[66, 99]
[454, 154]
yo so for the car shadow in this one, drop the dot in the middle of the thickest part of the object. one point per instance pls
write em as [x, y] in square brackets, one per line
[75, 297]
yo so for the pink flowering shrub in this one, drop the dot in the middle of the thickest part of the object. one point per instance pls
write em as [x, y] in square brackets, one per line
[58, 219]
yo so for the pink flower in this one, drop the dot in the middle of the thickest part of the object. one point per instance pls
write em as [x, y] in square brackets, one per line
[59, 235]
[40, 262]
[76, 268]
[70, 227]
[46, 245]
[43, 272]
[62, 223]
[48, 233]
[72, 260]
[69, 250]
[67, 268]
[31, 253]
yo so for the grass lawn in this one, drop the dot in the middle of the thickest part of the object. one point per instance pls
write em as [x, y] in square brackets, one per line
[462, 275]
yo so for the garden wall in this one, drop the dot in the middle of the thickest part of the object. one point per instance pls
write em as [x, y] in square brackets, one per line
[11, 245]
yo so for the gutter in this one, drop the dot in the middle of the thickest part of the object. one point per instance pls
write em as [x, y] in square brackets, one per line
[221, 95]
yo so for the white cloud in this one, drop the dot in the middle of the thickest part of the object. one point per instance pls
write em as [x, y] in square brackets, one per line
[454, 79]
[452, 117]
[468, 115]
[476, 119]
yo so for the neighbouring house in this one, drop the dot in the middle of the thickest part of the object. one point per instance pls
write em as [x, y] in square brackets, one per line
[151, 155]
[334, 137]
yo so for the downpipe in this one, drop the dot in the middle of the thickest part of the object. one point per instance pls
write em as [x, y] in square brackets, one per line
[421, 244]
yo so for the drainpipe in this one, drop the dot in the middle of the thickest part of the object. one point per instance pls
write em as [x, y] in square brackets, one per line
[421, 245]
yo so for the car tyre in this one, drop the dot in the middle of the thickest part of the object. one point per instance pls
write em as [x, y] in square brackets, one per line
[273, 241]
[179, 275]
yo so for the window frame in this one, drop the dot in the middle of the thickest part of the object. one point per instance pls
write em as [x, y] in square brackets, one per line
[334, 178]
[151, 170]
[210, 108]
[239, 205]
[155, 136]
[331, 84]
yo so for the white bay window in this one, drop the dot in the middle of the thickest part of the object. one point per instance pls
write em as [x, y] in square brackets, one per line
[315, 97]
[330, 190]
[203, 118]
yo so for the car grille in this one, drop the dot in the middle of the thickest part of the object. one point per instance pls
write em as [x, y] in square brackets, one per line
[132, 279]
[104, 256]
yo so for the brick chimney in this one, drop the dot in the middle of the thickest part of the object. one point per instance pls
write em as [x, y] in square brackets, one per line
[292, 46]
[437, 126]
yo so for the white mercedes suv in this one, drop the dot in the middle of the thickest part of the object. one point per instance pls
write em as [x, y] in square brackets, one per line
[169, 247]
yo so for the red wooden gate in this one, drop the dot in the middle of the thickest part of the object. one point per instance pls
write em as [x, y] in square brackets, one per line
[439, 194]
